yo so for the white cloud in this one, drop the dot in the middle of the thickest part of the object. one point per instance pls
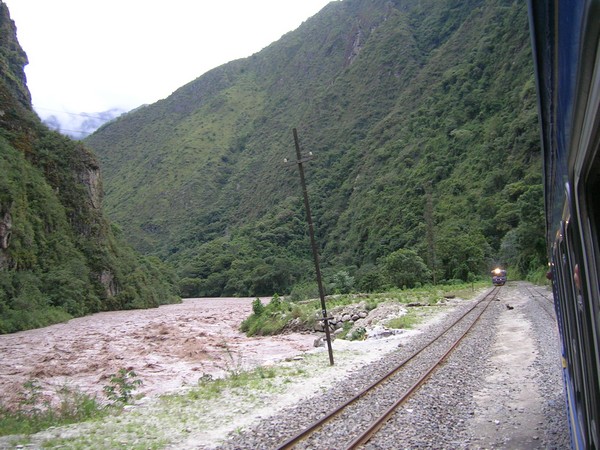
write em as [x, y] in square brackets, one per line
[91, 55]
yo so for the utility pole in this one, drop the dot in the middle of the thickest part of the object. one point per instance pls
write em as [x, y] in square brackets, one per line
[313, 243]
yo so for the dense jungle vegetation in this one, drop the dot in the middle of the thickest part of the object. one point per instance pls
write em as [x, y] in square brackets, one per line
[59, 256]
[421, 116]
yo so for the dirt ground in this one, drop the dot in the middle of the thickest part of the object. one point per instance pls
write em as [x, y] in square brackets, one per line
[510, 405]
[167, 347]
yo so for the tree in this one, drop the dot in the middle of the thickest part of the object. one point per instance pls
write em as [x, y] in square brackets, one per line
[404, 268]
[462, 249]
[341, 283]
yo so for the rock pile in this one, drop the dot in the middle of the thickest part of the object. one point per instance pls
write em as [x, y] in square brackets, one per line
[341, 315]
[357, 317]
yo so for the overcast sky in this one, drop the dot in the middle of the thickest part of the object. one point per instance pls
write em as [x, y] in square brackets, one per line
[93, 55]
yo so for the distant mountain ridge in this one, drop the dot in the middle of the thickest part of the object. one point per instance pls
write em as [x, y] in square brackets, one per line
[79, 125]
[422, 118]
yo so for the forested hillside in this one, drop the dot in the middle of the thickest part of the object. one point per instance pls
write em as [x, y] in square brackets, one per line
[59, 256]
[421, 116]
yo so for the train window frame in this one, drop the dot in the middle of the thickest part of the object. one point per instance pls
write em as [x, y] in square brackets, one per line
[586, 367]
[584, 173]
[592, 209]
[590, 217]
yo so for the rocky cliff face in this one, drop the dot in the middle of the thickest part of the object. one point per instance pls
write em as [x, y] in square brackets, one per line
[58, 254]
[87, 174]
[12, 59]
[24, 132]
[5, 233]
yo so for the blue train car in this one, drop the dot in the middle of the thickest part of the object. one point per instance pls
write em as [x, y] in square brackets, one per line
[498, 277]
[565, 39]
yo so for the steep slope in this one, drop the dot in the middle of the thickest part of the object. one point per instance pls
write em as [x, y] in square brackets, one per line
[421, 115]
[59, 257]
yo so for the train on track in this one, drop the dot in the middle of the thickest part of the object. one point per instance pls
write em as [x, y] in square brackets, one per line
[565, 41]
[498, 277]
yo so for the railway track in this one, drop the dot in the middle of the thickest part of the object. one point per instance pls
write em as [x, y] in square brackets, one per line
[389, 390]
[546, 301]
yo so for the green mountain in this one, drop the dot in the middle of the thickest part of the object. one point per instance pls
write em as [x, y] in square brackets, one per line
[59, 256]
[420, 115]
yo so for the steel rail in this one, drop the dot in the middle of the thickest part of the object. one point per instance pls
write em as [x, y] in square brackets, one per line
[534, 293]
[334, 412]
[365, 436]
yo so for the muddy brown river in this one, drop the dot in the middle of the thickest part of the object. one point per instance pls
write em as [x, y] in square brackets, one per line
[167, 347]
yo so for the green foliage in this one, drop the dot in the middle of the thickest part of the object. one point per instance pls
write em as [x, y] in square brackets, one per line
[426, 139]
[341, 283]
[279, 315]
[35, 413]
[257, 307]
[359, 334]
[238, 383]
[269, 320]
[31, 398]
[50, 269]
[538, 276]
[404, 268]
[406, 321]
[304, 291]
[462, 251]
[275, 303]
[47, 278]
[59, 256]
[370, 278]
[148, 281]
[249, 262]
[122, 386]
[346, 329]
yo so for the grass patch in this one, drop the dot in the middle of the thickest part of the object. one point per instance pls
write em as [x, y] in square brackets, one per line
[268, 320]
[160, 422]
[468, 290]
[280, 314]
[405, 322]
[259, 379]
[35, 413]
[84, 443]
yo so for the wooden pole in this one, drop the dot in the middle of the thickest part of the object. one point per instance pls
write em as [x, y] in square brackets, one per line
[313, 244]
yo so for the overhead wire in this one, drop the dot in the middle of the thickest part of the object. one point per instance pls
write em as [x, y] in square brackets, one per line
[60, 130]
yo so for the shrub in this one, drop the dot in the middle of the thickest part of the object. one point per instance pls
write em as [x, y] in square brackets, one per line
[359, 334]
[341, 283]
[371, 281]
[257, 307]
[275, 303]
[404, 268]
[122, 385]
[304, 291]
[269, 320]
[35, 413]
